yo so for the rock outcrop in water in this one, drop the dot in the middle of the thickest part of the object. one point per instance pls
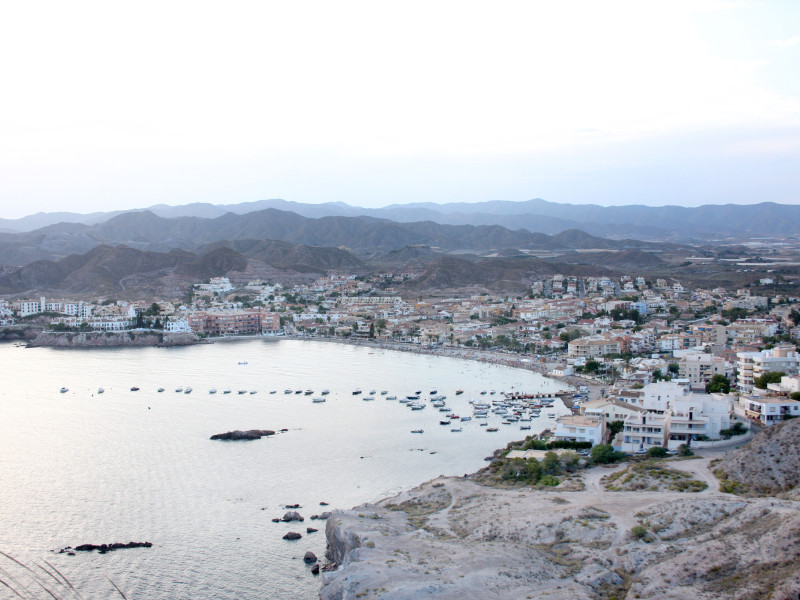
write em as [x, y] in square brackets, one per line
[103, 548]
[250, 434]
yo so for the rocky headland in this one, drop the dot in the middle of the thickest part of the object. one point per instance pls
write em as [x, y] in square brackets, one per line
[108, 339]
[592, 538]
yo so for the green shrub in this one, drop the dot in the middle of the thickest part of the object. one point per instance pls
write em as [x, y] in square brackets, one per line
[639, 532]
[656, 452]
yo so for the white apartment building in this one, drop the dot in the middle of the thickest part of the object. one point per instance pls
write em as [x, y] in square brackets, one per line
[695, 415]
[579, 428]
[768, 410]
[609, 409]
[643, 431]
[755, 364]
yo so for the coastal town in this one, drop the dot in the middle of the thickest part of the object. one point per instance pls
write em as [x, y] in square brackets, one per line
[653, 364]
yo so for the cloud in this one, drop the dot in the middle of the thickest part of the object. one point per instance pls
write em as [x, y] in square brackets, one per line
[786, 43]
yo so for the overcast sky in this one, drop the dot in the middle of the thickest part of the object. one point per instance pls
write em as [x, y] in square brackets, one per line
[109, 105]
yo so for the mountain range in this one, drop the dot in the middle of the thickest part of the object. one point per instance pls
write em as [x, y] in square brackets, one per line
[536, 216]
[367, 237]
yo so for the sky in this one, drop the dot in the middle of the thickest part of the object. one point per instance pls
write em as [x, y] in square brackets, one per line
[111, 106]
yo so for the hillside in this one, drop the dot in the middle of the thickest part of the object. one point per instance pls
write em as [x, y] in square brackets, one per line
[506, 274]
[109, 269]
[770, 463]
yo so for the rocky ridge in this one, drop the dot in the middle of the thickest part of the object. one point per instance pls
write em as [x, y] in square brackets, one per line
[452, 538]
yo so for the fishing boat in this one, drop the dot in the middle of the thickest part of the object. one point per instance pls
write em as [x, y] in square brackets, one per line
[228, 391]
[456, 429]
[384, 392]
[242, 362]
[368, 398]
[63, 390]
[188, 390]
[253, 392]
[212, 391]
[491, 429]
[459, 392]
[159, 390]
[391, 397]
[309, 392]
[100, 390]
[178, 390]
[444, 422]
[325, 392]
[417, 431]
[134, 389]
[287, 391]
[317, 400]
[356, 392]
[242, 391]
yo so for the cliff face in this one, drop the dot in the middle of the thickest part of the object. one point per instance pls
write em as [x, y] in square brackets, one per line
[452, 539]
[110, 339]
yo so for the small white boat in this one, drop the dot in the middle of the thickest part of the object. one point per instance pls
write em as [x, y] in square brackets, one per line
[417, 431]
[391, 397]
[253, 392]
[100, 390]
[272, 391]
[287, 391]
[212, 391]
[228, 391]
[179, 390]
[63, 390]
[456, 429]
[368, 398]
[384, 392]
[309, 392]
[159, 390]
[242, 362]
[356, 392]
[188, 390]
[325, 392]
[372, 392]
[318, 400]
[242, 391]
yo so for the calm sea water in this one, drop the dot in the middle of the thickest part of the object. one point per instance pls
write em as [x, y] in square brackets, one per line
[80, 467]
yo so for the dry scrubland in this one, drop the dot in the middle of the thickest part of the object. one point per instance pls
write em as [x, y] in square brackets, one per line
[651, 529]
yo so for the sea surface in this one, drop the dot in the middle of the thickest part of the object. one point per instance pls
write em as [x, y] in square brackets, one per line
[81, 467]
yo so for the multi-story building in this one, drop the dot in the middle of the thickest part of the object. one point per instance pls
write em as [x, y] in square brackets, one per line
[769, 410]
[579, 428]
[643, 431]
[233, 322]
[755, 364]
[697, 415]
[699, 368]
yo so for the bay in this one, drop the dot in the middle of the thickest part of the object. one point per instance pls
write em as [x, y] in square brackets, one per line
[82, 467]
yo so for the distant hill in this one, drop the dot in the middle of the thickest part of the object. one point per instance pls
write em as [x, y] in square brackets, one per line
[111, 269]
